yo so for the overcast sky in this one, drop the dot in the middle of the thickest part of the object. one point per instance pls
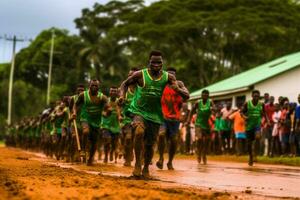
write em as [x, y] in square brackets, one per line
[27, 18]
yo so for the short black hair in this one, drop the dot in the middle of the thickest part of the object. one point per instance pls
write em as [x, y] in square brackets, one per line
[171, 69]
[155, 53]
[255, 92]
[114, 87]
[205, 92]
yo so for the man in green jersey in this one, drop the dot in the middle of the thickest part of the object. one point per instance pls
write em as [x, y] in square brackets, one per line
[110, 125]
[203, 108]
[253, 110]
[127, 130]
[59, 118]
[73, 148]
[146, 108]
[92, 102]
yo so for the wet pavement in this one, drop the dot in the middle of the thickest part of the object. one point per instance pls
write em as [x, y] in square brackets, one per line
[267, 180]
[261, 179]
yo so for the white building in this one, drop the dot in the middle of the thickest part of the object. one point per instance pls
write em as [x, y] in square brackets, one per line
[280, 77]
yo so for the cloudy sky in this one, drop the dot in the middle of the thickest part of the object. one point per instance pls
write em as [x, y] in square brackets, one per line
[27, 18]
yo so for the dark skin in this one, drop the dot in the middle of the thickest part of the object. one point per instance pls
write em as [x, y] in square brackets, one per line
[155, 71]
[93, 92]
[255, 100]
[204, 97]
[113, 93]
[181, 86]
[79, 90]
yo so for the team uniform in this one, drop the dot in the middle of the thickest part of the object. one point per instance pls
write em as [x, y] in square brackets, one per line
[202, 128]
[110, 130]
[171, 106]
[253, 125]
[127, 130]
[147, 111]
[90, 118]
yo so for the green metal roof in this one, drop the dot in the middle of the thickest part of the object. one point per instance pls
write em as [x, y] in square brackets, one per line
[252, 76]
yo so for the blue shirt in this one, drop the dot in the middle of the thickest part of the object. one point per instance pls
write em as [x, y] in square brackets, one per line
[297, 113]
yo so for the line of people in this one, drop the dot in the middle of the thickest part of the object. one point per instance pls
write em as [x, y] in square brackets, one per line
[126, 123]
[149, 108]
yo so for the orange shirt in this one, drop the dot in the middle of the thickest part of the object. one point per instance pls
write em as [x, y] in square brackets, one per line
[239, 123]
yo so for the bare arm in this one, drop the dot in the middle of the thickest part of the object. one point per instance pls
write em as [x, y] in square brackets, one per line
[182, 91]
[192, 112]
[78, 104]
[132, 80]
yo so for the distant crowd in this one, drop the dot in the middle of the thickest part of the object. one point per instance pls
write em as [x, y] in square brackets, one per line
[279, 134]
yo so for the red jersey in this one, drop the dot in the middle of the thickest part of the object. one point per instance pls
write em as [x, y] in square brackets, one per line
[171, 103]
[270, 109]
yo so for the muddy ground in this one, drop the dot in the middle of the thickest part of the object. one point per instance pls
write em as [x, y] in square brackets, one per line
[25, 175]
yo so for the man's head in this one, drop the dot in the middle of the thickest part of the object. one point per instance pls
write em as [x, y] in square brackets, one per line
[66, 100]
[277, 107]
[155, 61]
[58, 102]
[271, 100]
[266, 97]
[286, 104]
[113, 91]
[205, 94]
[228, 105]
[299, 98]
[79, 88]
[94, 86]
[280, 100]
[255, 95]
[132, 70]
[172, 71]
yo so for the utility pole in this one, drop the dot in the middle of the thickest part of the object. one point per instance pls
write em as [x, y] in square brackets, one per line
[50, 68]
[11, 76]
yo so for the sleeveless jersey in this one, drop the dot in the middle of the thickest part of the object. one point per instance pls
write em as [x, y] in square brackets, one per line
[254, 115]
[91, 112]
[111, 122]
[171, 103]
[203, 114]
[125, 109]
[147, 99]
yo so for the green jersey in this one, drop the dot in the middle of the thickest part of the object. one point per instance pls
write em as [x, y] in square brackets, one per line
[147, 99]
[254, 115]
[66, 115]
[203, 115]
[217, 124]
[125, 109]
[91, 112]
[111, 122]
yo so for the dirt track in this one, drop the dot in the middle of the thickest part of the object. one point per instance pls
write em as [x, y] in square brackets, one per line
[30, 176]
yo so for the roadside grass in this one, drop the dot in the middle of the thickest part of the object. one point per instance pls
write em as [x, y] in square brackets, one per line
[290, 161]
[2, 143]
